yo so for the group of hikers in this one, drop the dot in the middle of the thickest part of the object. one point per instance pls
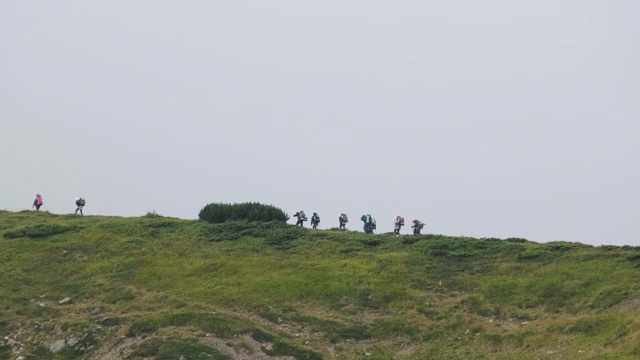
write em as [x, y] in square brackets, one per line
[368, 220]
[80, 202]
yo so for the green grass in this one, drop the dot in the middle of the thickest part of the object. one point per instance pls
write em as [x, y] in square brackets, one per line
[302, 292]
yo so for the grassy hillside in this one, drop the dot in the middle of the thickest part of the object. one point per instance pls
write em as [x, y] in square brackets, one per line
[155, 287]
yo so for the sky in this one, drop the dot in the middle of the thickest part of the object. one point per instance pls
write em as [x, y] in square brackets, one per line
[480, 118]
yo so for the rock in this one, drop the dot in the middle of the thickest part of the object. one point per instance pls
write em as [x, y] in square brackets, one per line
[42, 304]
[20, 358]
[367, 354]
[66, 300]
[11, 342]
[72, 341]
[57, 345]
[43, 296]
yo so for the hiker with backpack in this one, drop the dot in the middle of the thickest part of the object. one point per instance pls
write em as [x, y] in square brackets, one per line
[417, 226]
[398, 224]
[80, 202]
[37, 202]
[343, 221]
[301, 218]
[315, 220]
[367, 219]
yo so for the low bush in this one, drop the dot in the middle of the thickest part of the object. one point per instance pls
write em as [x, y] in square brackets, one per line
[218, 212]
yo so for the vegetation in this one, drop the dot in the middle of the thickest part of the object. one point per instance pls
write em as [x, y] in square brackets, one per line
[218, 213]
[158, 287]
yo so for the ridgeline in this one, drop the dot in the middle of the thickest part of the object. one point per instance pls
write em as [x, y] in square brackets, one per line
[94, 287]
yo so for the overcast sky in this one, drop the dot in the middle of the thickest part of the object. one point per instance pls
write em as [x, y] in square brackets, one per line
[480, 118]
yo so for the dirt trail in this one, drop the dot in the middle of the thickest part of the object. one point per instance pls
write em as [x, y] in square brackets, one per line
[241, 353]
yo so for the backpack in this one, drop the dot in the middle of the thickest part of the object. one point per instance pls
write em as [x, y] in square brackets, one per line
[82, 202]
[38, 199]
[399, 220]
[302, 216]
[367, 219]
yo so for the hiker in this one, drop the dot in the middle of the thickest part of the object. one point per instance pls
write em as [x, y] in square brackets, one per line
[37, 202]
[398, 224]
[80, 202]
[343, 221]
[417, 226]
[315, 220]
[301, 218]
[367, 219]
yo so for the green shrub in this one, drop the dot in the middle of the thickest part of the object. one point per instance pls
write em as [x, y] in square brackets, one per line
[218, 212]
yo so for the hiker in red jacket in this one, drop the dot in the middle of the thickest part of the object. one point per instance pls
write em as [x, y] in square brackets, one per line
[37, 202]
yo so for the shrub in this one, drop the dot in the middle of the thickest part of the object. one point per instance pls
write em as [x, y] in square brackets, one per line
[218, 212]
[152, 214]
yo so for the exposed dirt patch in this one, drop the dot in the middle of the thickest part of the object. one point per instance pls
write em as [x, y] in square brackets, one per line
[253, 352]
[117, 351]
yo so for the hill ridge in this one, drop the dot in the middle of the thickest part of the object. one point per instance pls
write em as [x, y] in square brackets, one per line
[158, 287]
